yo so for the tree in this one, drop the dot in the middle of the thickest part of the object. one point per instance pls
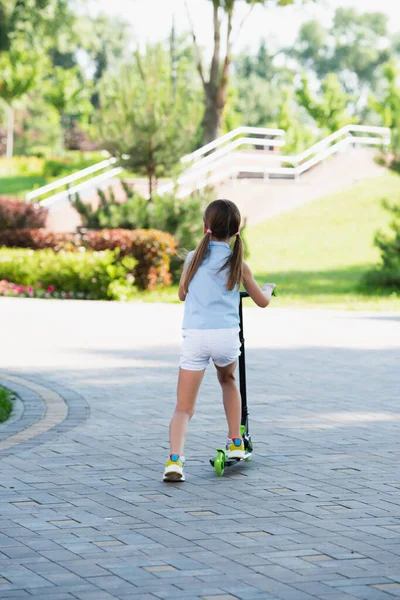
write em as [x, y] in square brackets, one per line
[353, 47]
[106, 41]
[215, 85]
[19, 14]
[329, 109]
[67, 93]
[387, 104]
[259, 83]
[19, 69]
[147, 119]
[299, 135]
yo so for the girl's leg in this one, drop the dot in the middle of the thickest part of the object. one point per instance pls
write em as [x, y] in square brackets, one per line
[231, 397]
[188, 387]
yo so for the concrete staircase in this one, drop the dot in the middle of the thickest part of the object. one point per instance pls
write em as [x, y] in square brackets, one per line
[260, 199]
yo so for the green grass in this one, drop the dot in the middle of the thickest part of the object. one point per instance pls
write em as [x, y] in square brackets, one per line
[5, 404]
[23, 174]
[318, 253]
[20, 185]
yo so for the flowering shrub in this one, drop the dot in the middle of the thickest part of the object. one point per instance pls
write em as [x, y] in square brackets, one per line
[16, 214]
[38, 291]
[151, 248]
[45, 273]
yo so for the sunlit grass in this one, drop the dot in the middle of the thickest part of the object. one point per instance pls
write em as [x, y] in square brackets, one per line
[20, 185]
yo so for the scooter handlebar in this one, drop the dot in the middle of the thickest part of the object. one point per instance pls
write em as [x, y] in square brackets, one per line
[246, 295]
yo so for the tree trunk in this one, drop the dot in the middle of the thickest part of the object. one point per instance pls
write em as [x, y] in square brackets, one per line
[10, 133]
[212, 120]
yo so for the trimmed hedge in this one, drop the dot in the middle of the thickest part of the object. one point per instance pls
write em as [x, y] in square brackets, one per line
[45, 273]
[17, 214]
[152, 249]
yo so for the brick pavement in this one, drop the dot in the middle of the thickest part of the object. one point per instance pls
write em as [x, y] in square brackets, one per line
[83, 512]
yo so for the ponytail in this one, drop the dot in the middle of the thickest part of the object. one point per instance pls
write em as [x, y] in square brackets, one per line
[196, 260]
[235, 265]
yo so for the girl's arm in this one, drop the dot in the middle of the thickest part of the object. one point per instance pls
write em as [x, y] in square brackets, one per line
[262, 297]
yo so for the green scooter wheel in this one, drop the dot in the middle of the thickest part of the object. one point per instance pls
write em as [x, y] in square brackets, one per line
[275, 292]
[219, 463]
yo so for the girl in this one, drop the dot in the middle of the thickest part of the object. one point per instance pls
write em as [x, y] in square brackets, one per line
[210, 285]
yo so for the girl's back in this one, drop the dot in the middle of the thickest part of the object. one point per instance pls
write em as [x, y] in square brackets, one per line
[209, 304]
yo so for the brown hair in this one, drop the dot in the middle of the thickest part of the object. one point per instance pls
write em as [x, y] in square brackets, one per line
[222, 218]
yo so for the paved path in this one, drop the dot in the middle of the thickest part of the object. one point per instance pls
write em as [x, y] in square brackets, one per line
[84, 515]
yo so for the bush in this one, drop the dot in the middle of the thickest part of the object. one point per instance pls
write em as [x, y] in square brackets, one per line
[17, 214]
[388, 273]
[38, 239]
[182, 218]
[74, 161]
[20, 166]
[151, 248]
[90, 275]
[110, 214]
[6, 404]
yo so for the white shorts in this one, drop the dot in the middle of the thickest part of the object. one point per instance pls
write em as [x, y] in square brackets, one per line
[199, 345]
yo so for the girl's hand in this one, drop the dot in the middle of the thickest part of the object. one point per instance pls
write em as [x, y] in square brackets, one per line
[261, 296]
[268, 289]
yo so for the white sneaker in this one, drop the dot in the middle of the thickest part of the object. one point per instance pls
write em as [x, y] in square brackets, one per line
[235, 448]
[174, 468]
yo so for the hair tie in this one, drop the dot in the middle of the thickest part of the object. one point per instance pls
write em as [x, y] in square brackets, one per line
[209, 231]
[237, 233]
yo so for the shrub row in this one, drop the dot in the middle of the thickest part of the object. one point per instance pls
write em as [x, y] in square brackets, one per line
[16, 214]
[151, 248]
[45, 273]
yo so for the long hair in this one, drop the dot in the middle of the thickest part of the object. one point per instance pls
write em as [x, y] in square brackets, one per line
[222, 218]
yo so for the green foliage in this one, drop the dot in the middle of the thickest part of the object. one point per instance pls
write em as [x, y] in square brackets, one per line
[89, 274]
[110, 214]
[354, 46]
[146, 120]
[387, 104]
[72, 162]
[151, 248]
[388, 273]
[329, 109]
[299, 135]
[6, 404]
[180, 218]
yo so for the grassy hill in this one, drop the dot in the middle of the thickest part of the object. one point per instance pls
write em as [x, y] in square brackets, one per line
[318, 252]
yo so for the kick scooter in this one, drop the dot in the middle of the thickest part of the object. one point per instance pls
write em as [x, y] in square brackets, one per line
[221, 462]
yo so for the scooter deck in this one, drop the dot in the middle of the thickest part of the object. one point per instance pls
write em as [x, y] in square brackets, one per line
[231, 462]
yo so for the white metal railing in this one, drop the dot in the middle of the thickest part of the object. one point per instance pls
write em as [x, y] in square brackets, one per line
[64, 197]
[271, 137]
[222, 159]
[65, 182]
[228, 162]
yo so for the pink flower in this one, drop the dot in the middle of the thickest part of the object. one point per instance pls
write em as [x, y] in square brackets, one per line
[4, 282]
[50, 289]
[30, 290]
[68, 294]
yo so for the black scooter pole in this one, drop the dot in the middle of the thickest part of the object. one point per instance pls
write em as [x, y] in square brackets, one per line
[242, 366]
